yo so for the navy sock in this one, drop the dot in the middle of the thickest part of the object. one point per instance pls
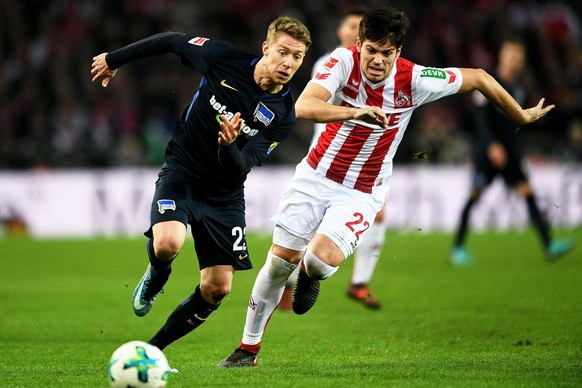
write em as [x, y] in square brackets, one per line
[190, 314]
[464, 224]
[161, 265]
[538, 220]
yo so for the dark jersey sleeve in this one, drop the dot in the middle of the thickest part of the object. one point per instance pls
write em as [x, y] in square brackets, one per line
[492, 125]
[216, 60]
[192, 50]
[237, 161]
[483, 125]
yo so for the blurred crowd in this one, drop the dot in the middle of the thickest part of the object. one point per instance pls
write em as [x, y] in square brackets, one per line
[53, 116]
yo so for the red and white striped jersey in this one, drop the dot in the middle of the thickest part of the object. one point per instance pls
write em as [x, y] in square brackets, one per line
[357, 154]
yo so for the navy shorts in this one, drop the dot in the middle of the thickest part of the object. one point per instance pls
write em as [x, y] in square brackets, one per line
[485, 172]
[217, 221]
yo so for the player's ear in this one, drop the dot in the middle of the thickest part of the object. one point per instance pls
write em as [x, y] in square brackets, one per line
[398, 51]
[265, 48]
[358, 44]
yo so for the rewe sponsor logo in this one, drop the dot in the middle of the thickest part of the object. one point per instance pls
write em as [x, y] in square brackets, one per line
[351, 87]
[223, 110]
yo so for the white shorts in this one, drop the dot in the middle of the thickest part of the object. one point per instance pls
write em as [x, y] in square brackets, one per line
[313, 204]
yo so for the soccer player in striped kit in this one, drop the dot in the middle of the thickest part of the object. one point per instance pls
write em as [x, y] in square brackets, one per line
[366, 94]
[366, 256]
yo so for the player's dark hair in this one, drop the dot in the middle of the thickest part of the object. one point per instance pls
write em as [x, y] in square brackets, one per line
[385, 24]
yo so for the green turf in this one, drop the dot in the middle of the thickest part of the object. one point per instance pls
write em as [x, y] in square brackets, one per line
[511, 320]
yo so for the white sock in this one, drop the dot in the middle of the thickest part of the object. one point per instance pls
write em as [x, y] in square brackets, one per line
[367, 253]
[316, 268]
[265, 297]
[292, 278]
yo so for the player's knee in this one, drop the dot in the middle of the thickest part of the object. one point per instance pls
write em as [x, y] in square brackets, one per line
[167, 247]
[278, 268]
[215, 293]
[316, 268]
[219, 295]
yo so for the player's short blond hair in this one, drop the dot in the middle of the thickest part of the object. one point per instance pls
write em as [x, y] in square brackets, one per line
[290, 26]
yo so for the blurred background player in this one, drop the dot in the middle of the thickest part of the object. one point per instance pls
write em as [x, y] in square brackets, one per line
[368, 252]
[497, 153]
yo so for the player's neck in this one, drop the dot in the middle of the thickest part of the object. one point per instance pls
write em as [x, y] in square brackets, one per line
[268, 85]
[263, 79]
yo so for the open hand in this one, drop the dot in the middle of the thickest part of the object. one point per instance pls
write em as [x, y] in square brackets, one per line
[538, 111]
[100, 69]
[229, 130]
[372, 115]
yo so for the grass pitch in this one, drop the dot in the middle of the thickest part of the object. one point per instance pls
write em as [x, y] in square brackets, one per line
[511, 320]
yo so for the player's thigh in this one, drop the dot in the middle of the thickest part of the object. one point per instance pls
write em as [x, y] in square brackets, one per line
[169, 236]
[327, 250]
[169, 215]
[483, 175]
[219, 232]
[348, 218]
[380, 215]
[288, 246]
[514, 176]
[302, 208]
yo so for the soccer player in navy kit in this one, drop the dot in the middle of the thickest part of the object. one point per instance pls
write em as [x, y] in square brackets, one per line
[240, 113]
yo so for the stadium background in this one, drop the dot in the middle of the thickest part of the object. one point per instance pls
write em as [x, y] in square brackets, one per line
[512, 320]
[53, 119]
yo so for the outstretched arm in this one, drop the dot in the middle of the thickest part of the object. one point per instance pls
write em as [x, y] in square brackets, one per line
[478, 79]
[312, 105]
[105, 65]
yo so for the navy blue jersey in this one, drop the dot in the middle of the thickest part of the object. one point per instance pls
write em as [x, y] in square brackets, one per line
[227, 87]
[493, 125]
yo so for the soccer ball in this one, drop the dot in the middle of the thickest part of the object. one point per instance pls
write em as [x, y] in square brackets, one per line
[138, 364]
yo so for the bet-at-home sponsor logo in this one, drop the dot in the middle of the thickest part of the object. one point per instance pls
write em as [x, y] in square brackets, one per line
[223, 110]
[433, 73]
